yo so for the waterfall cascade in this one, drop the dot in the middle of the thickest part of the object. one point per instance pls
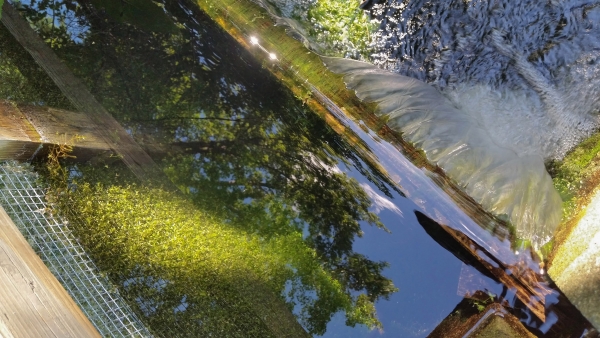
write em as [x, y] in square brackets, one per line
[506, 86]
[503, 180]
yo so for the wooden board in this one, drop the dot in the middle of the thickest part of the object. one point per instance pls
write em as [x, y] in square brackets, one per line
[18, 139]
[32, 301]
[24, 128]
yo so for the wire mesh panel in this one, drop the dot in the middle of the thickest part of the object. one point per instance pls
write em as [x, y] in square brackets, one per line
[24, 201]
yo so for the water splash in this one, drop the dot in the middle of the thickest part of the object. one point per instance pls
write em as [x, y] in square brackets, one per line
[568, 126]
[527, 71]
[491, 171]
[527, 51]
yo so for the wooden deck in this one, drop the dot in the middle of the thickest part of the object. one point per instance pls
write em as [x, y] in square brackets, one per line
[33, 303]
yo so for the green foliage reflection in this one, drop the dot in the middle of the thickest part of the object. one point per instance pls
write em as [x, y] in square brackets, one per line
[22, 80]
[256, 164]
[188, 273]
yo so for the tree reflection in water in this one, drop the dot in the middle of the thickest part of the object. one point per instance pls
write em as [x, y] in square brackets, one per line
[245, 151]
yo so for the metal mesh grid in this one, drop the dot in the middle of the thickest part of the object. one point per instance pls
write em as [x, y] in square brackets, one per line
[24, 201]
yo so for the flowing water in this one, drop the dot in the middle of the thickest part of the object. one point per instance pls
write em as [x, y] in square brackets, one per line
[533, 62]
[247, 151]
[525, 70]
[520, 81]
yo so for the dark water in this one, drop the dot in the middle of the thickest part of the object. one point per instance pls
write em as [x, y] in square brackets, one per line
[237, 143]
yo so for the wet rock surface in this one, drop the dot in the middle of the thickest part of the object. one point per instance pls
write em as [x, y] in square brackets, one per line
[576, 266]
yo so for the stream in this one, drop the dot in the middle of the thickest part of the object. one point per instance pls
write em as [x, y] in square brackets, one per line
[243, 148]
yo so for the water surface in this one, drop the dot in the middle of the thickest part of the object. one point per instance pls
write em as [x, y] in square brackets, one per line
[245, 149]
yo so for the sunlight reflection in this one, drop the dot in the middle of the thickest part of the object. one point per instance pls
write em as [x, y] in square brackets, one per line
[254, 41]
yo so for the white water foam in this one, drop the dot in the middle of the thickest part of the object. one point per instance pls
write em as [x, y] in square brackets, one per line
[497, 172]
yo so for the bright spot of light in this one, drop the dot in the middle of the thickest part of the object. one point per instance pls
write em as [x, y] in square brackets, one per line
[517, 252]
[273, 56]
[541, 271]
[254, 40]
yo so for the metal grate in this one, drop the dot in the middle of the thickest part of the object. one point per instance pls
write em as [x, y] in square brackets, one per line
[50, 237]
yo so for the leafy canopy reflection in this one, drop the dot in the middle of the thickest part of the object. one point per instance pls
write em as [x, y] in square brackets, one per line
[243, 149]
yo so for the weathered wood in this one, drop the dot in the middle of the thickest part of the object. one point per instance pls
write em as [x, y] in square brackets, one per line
[527, 284]
[75, 90]
[24, 129]
[32, 301]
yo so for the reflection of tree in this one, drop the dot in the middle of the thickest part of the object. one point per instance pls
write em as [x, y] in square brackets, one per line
[276, 186]
[17, 69]
[189, 274]
[244, 149]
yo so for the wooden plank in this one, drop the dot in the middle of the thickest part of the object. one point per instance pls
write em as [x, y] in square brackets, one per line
[25, 128]
[16, 290]
[13, 124]
[18, 139]
[527, 284]
[32, 301]
[140, 163]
